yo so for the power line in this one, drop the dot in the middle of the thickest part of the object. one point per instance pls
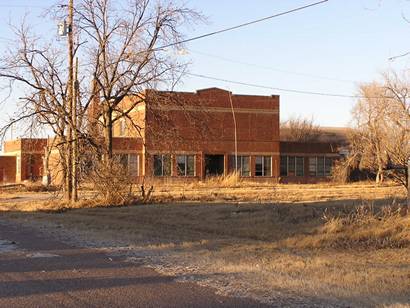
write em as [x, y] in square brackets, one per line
[271, 68]
[221, 30]
[22, 6]
[274, 88]
[241, 25]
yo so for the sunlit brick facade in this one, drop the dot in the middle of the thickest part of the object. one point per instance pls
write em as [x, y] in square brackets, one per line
[187, 136]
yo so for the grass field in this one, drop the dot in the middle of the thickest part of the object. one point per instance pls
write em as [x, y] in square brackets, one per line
[297, 245]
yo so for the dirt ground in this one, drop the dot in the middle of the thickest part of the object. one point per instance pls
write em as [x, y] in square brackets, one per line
[268, 242]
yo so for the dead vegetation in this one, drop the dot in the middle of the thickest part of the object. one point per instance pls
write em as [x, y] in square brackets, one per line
[364, 227]
[232, 190]
[231, 180]
[324, 245]
[229, 189]
[325, 252]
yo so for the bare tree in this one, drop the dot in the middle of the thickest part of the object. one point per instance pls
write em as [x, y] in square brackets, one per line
[369, 115]
[38, 70]
[122, 50]
[124, 46]
[382, 122]
[299, 129]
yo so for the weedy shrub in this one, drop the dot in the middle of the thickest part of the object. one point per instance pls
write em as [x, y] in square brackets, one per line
[232, 179]
[111, 183]
[366, 226]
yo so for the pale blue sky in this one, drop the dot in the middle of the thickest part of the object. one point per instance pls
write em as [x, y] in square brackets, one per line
[346, 42]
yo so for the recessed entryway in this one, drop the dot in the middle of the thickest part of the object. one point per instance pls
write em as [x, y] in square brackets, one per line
[214, 165]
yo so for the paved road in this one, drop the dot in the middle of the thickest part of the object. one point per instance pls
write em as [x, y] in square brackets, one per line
[38, 271]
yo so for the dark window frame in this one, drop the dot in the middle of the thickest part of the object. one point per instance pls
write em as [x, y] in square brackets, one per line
[283, 165]
[186, 171]
[241, 164]
[297, 170]
[163, 159]
[262, 171]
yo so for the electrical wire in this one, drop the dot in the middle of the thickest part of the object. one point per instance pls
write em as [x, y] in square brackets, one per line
[271, 68]
[274, 88]
[241, 25]
[22, 6]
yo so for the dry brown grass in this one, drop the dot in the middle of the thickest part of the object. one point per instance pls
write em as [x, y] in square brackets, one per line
[298, 245]
[364, 227]
[233, 179]
[253, 192]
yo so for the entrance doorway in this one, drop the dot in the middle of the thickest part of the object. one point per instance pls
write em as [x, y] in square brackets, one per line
[214, 165]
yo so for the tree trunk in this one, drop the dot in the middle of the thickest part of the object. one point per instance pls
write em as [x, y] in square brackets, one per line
[67, 169]
[74, 171]
[108, 137]
[379, 176]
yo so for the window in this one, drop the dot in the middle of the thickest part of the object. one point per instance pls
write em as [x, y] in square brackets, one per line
[162, 165]
[121, 159]
[320, 166]
[243, 164]
[133, 164]
[291, 165]
[263, 166]
[328, 166]
[283, 166]
[312, 166]
[300, 166]
[186, 165]
[267, 166]
[123, 127]
[130, 163]
[320, 170]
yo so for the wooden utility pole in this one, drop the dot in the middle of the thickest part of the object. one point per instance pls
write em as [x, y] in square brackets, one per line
[70, 92]
[75, 136]
[408, 184]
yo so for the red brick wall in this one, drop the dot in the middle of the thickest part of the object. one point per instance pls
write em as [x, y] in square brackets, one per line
[127, 144]
[7, 169]
[30, 145]
[288, 147]
[31, 167]
[306, 150]
[30, 151]
[33, 145]
[202, 123]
